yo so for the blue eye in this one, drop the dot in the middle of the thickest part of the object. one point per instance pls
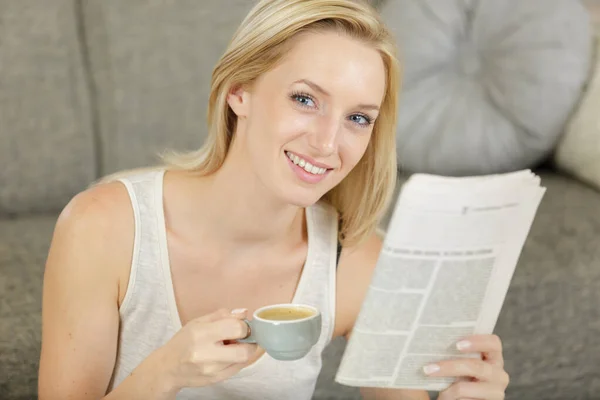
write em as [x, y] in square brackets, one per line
[304, 100]
[361, 120]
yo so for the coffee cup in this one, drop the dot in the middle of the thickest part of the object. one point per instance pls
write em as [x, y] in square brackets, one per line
[287, 332]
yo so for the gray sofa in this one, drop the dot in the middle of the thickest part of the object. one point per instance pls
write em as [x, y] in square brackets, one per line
[88, 87]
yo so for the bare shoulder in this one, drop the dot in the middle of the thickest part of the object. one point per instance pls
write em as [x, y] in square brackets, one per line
[88, 260]
[97, 224]
[101, 204]
[353, 278]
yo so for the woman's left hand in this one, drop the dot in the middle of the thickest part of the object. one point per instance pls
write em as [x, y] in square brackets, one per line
[486, 378]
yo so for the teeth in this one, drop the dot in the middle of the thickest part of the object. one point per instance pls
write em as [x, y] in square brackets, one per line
[308, 167]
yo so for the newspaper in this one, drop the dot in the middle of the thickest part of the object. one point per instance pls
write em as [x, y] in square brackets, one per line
[447, 260]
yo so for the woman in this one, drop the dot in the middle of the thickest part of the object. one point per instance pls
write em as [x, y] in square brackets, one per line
[151, 273]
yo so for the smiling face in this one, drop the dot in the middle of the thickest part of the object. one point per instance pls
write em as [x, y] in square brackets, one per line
[305, 124]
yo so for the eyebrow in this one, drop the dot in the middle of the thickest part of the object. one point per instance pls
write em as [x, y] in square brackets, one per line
[319, 89]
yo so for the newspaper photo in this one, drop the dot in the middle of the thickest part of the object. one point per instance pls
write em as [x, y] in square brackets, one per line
[448, 257]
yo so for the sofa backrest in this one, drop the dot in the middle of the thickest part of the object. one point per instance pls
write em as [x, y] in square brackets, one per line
[151, 63]
[46, 141]
[90, 87]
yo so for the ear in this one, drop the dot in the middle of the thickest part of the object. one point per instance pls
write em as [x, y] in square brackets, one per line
[238, 99]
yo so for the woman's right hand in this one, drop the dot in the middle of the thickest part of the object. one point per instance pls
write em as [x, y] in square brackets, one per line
[198, 355]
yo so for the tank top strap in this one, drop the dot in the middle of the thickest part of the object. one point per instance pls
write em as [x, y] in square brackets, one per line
[318, 285]
[146, 275]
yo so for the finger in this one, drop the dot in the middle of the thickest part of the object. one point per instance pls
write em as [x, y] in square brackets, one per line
[468, 368]
[490, 346]
[214, 316]
[472, 390]
[229, 328]
[239, 313]
[237, 353]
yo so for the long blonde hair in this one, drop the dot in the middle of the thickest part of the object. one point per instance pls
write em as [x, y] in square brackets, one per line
[257, 46]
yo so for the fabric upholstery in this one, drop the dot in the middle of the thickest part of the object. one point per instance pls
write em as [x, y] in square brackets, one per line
[24, 244]
[551, 320]
[578, 153]
[46, 142]
[151, 63]
[488, 85]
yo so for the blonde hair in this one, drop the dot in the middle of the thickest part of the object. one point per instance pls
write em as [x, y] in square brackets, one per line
[257, 46]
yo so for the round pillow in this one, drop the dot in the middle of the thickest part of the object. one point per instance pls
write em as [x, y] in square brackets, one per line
[488, 85]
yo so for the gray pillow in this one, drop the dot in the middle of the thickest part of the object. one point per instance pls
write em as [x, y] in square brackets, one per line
[488, 84]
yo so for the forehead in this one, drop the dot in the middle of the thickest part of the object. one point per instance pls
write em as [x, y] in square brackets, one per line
[342, 65]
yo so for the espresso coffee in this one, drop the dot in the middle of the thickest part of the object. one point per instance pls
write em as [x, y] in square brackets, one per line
[286, 313]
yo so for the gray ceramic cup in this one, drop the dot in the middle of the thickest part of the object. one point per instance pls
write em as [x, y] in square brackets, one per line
[285, 340]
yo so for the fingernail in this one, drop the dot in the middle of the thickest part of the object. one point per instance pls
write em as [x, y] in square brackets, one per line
[239, 311]
[431, 368]
[463, 345]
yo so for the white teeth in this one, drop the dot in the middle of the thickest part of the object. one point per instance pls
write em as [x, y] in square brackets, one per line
[308, 167]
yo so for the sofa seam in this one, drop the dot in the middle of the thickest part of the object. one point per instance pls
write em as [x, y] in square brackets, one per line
[83, 42]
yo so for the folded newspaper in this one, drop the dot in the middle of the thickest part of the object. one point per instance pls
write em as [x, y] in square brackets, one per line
[447, 260]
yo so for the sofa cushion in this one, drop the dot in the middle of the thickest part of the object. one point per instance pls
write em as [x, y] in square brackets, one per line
[46, 142]
[578, 152]
[488, 84]
[24, 244]
[550, 321]
[151, 62]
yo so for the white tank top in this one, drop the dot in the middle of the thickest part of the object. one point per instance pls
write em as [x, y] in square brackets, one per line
[149, 316]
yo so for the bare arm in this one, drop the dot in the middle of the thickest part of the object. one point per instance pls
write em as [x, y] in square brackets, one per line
[393, 394]
[354, 275]
[80, 320]
[86, 275]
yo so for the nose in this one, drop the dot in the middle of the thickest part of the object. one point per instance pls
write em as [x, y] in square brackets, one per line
[324, 137]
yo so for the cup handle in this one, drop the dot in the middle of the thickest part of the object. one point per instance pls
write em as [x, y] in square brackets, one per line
[250, 338]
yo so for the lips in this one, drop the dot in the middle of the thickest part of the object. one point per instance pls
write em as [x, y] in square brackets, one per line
[303, 168]
[305, 164]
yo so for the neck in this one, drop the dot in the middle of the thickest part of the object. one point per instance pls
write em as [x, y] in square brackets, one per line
[237, 209]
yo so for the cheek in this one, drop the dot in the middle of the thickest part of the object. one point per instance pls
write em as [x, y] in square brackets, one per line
[289, 124]
[352, 147]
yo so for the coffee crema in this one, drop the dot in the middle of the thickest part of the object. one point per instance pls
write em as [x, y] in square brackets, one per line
[286, 313]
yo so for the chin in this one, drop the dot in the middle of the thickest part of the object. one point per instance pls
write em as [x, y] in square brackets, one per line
[300, 196]
[303, 200]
